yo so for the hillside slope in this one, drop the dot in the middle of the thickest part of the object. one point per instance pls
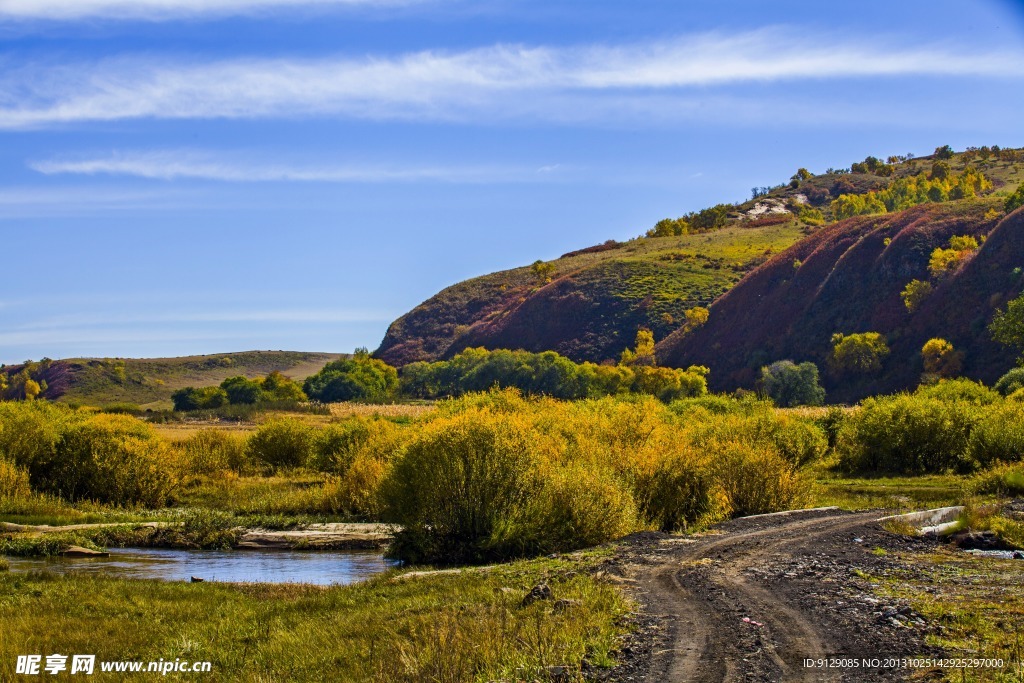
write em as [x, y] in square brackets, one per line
[149, 382]
[595, 301]
[591, 304]
[848, 278]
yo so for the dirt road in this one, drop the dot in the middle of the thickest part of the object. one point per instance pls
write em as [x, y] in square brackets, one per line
[756, 597]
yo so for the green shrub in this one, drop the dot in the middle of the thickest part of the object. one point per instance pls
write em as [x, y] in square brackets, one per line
[998, 436]
[756, 479]
[282, 443]
[204, 398]
[579, 506]
[1010, 382]
[208, 451]
[1002, 480]
[336, 445]
[961, 389]
[463, 490]
[906, 434]
[112, 459]
[681, 492]
[789, 384]
[29, 431]
[13, 481]
[359, 378]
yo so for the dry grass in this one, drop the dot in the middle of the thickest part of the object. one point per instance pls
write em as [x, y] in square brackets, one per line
[390, 411]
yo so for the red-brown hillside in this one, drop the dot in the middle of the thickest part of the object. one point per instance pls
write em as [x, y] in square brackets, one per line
[848, 278]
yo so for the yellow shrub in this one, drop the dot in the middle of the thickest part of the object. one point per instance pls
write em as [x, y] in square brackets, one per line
[13, 481]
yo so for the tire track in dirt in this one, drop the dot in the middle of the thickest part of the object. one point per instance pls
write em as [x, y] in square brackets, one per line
[699, 590]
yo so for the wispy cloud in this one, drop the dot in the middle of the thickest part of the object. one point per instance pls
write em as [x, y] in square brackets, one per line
[175, 164]
[158, 10]
[476, 85]
[30, 202]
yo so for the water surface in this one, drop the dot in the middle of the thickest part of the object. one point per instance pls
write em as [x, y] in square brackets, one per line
[278, 566]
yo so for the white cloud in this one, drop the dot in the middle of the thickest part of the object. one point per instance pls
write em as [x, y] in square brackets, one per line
[476, 85]
[174, 164]
[157, 10]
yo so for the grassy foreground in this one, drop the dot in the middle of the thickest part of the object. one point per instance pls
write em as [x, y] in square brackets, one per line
[465, 626]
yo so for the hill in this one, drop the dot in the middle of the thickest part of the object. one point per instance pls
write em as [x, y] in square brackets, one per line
[589, 304]
[595, 301]
[848, 278]
[149, 382]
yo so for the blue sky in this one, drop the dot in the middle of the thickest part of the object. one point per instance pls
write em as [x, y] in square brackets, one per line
[200, 176]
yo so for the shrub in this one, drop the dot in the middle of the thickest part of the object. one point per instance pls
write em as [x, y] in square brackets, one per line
[29, 431]
[204, 398]
[757, 480]
[1010, 382]
[13, 481]
[359, 378]
[789, 384]
[463, 489]
[579, 506]
[906, 434]
[940, 358]
[999, 436]
[208, 451]
[858, 353]
[108, 458]
[1015, 200]
[680, 492]
[915, 293]
[960, 390]
[282, 443]
[1006, 479]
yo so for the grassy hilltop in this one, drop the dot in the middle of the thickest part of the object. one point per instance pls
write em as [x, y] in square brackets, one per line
[149, 382]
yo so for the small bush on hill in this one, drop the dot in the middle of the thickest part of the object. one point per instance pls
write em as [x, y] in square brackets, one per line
[860, 353]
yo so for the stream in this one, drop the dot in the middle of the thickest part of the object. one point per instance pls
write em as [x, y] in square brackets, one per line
[276, 566]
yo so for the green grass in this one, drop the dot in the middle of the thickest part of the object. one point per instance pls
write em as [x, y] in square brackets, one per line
[976, 602]
[446, 627]
[896, 493]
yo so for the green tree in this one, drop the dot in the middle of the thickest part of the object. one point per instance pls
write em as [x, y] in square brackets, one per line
[1007, 327]
[644, 351]
[1015, 200]
[944, 152]
[940, 358]
[803, 174]
[359, 378]
[696, 317]
[242, 390]
[789, 384]
[859, 353]
[542, 271]
[915, 293]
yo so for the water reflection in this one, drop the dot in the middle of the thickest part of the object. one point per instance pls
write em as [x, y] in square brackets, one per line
[322, 568]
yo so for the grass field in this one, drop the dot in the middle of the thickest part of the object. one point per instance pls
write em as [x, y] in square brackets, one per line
[468, 626]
